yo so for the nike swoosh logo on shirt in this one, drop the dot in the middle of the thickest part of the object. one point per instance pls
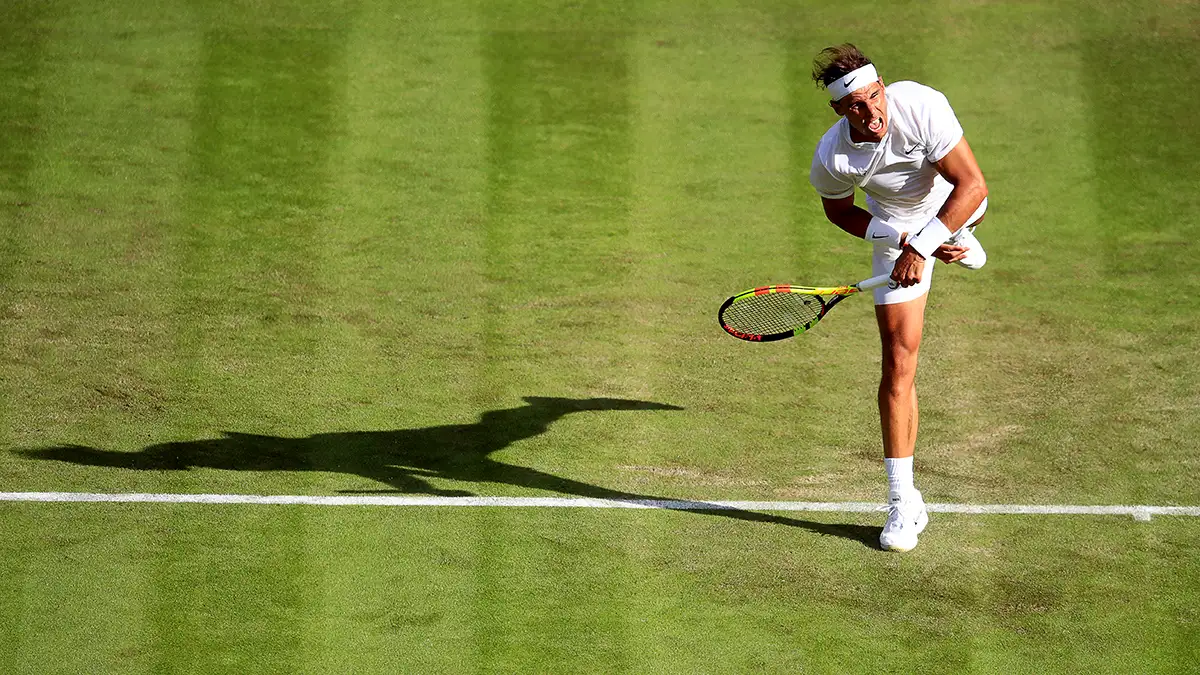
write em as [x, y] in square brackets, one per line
[909, 151]
[879, 236]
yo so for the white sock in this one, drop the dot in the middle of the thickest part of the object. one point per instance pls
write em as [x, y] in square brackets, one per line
[900, 475]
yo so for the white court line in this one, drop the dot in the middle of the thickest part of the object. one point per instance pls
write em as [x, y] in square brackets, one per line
[1139, 512]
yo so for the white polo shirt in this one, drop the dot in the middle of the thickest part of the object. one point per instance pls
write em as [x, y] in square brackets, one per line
[901, 182]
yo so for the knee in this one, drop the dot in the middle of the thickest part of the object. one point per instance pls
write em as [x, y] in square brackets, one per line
[899, 356]
[900, 337]
[899, 367]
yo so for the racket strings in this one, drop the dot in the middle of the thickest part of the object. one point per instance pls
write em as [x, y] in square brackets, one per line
[773, 313]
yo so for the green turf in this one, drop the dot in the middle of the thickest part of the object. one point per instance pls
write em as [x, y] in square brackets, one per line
[349, 247]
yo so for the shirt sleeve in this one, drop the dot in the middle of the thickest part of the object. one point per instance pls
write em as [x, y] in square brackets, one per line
[828, 185]
[941, 127]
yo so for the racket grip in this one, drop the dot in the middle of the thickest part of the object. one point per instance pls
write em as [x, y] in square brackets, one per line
[874, 282]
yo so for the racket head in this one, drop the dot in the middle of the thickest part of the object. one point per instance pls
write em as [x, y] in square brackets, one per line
[769, 313]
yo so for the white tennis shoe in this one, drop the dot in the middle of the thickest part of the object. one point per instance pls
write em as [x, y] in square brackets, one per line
[906, 519]
[976, 256]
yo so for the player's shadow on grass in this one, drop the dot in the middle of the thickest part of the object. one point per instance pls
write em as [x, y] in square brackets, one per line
[405, 458]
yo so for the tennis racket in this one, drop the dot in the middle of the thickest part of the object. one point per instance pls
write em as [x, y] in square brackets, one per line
[777, 312]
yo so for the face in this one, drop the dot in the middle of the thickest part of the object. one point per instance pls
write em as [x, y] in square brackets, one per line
[866, 110]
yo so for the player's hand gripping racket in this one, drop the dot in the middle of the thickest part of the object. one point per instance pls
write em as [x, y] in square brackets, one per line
[776, 312]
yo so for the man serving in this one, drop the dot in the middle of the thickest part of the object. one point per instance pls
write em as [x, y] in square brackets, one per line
[904, 148]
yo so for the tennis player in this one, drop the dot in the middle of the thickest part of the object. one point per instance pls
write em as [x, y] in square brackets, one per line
[902, 145]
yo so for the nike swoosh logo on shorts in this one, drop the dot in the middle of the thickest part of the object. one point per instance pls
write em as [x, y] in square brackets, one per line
[879, 236]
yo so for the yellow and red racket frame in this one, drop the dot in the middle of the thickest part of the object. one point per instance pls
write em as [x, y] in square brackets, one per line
[828, 296]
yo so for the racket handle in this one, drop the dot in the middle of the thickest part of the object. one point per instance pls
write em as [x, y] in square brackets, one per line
[874, 282]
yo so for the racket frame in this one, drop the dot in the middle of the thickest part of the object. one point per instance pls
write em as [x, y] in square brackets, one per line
[828, 296]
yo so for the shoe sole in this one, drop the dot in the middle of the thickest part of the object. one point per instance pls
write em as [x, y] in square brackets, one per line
[977, 265]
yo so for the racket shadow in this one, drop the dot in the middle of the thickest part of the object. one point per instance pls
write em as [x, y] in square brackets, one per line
[406, 459]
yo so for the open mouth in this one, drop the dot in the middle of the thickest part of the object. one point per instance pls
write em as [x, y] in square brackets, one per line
[876, 125]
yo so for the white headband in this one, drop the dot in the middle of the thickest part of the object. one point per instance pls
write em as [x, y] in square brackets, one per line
[852, 81]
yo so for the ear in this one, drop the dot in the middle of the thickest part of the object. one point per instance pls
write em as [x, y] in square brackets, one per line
[837, 109]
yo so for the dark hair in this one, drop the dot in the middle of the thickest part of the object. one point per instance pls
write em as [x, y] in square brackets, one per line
[834, 62]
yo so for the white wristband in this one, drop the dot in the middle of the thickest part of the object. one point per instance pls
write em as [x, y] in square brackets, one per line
[880, 231]
[933, 235]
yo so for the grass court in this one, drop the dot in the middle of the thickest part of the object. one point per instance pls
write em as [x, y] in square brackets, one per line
[356, 247]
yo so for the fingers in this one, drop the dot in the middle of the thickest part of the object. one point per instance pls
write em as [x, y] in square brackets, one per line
[908, 269]
[908, 280]
[948, 254]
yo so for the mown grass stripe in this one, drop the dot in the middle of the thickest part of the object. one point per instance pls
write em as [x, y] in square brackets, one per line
[1138, 511]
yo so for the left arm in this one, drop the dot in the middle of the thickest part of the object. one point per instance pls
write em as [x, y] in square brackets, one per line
[960, 169]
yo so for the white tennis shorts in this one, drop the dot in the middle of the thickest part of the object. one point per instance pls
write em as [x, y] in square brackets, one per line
[883, 259]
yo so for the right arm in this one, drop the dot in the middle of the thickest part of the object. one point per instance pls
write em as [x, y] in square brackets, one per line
[847, 215]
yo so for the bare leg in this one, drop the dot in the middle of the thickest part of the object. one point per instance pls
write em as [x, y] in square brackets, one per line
[900, 333]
